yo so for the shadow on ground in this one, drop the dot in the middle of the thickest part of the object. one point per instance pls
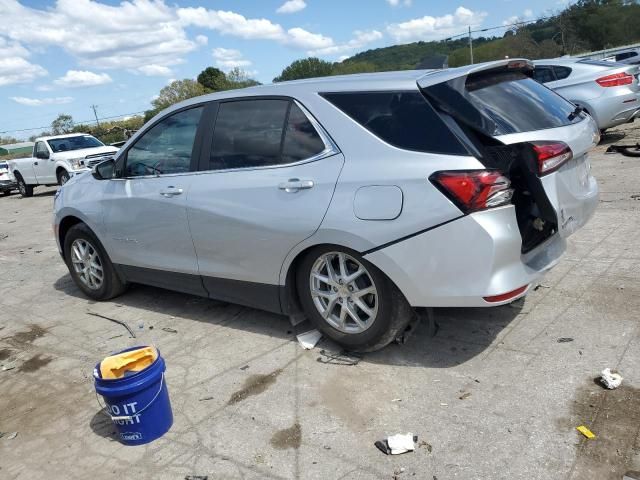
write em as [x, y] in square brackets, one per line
[463, 333]
[102, 425]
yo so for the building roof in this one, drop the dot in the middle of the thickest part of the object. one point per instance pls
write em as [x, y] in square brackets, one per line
[16, 146]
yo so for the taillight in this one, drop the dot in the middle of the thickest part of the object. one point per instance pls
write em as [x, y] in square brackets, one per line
[551, 155]
[473, 190]
[615, 80]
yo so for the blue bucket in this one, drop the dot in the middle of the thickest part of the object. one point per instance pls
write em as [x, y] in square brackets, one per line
[138, 404]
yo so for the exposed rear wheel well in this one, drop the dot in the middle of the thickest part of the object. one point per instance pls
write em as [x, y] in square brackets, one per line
[16, 174]
[65, 225]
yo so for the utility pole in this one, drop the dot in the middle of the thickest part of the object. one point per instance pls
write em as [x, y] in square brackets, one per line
[470, 45]
[93, 107]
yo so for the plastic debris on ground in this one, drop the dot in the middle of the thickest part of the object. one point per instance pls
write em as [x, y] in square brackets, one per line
[609, 379]
[11, 436]
[586, 432]
[397, 444]
[631, 475]
[309, 339]
[350, 359]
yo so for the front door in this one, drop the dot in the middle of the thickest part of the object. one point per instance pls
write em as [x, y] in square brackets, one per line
[44, 168]
[144, 210]
[267, 183]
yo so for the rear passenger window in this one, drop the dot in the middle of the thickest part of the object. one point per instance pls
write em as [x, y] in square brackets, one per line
[543, 74]
[260, 133]
[562, 72]
[403, 119]
[301, 140]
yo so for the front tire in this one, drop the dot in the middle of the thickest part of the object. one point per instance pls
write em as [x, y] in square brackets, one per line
[89, 264]
[24, 189]
[63, 177]
[350, 300]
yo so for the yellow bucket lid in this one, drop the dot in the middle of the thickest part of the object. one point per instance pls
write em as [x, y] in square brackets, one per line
[115, 366]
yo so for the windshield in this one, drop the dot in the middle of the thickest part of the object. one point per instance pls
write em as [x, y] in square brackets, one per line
[74, 143]
[500, 103]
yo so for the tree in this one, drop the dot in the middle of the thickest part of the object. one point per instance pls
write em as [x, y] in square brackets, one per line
[7, 140]
[238, 78]
[62, 124]
[306, 68]
[347, 68]
[177, 91]
[213, 79]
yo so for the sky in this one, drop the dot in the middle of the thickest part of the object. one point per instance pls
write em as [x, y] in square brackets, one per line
[65, 56]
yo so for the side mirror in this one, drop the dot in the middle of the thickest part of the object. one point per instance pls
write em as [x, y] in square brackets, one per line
[42, 155]
[104, 170]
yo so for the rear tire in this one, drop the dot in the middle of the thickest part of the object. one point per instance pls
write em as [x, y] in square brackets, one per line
[89, 264]
[335, 303]
[63, 177]
[24, 189]
[6, 193]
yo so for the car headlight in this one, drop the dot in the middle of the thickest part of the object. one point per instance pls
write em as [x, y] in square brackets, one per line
[77, 163]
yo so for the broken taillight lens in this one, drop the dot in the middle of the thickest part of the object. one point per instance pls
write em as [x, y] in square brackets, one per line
[473, 190]
[615, 80]
[551, 155]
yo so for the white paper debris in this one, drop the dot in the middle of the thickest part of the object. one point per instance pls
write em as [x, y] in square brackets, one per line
[309, 339]
[400, 443]
[610, 380]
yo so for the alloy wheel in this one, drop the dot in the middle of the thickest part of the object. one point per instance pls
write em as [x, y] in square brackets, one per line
[87, 264]
[343, 292]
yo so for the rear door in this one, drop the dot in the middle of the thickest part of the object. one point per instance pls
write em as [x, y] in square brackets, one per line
[268, 173]
[500, 100]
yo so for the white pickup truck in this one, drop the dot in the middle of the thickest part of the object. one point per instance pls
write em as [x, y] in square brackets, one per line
[56, 159]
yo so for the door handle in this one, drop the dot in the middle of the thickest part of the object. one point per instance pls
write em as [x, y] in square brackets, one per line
[35, 163]
[294, 184]
[171, 192]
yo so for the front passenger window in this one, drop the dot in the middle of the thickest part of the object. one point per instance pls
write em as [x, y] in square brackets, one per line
[165, 148]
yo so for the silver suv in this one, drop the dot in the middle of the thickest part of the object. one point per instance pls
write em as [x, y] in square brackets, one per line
[352, 199]
[608, 91]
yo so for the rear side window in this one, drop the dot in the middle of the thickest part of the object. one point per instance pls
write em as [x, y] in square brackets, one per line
[562, 72]
[260, 133]
[500, 103]
[543, 74]
[403, 119]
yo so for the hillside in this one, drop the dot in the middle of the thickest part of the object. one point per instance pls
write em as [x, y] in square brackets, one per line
[587, 25]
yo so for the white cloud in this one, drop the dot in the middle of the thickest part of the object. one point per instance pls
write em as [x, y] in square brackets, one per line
[359, 40]
[301, 38]
[128, 35]
[292, 6]
[38, 102]
[153, 70]
[431, 28]
[228, 58]
[202, 39]
[14, 66]
[528, 13]
[82, 78]
[396, 3]
[231, 23]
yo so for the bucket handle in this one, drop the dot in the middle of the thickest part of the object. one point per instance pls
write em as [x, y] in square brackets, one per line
[139, 412]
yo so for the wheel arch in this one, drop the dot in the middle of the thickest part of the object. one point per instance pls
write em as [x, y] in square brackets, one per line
[65, 225]
[289, 296]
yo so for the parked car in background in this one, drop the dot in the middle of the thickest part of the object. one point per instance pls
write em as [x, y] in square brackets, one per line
[7, 181]
[629, 57]
[609, 92]
[353, 198]
[56, 159]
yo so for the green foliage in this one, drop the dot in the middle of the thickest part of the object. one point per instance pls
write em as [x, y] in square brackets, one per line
[213, 79]
[347, 68]
[175, 92]
[113, 131]
[238, 78]
[305, 68]
[62, 124]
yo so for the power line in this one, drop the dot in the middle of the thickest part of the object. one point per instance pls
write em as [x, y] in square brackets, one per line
[83, 122]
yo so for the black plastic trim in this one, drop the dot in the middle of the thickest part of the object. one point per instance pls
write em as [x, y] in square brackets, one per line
[262, 296]
[407, 237]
